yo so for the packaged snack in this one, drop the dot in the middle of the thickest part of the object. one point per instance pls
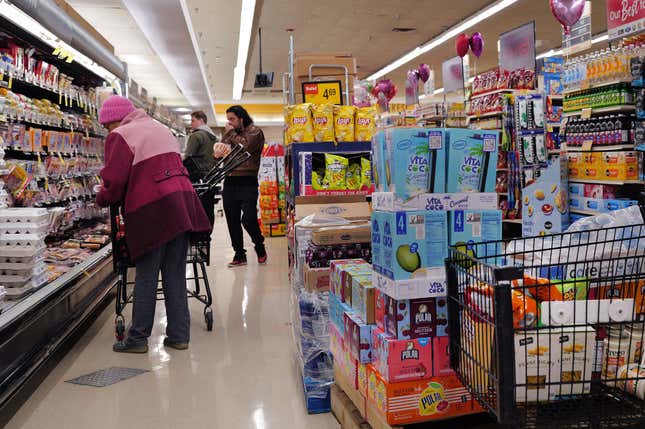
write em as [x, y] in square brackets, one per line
[300, 123]
[525, 310]
[335, 172]
[365, 124]
[316, 181]
[554, 290]
[323, 122]
[366, 173]
[344, 123]
[354, 179]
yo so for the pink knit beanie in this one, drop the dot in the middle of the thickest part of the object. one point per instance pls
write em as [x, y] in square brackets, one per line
[114, 109]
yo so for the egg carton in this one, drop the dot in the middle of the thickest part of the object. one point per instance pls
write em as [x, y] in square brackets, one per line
[39, 229]
[3, 293]
[12, 277]
[8, 263]
[21, 252]
[21, 240]
[18, 292]
[24, 215]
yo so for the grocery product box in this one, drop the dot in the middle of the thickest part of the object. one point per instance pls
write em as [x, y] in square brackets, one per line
[576, 202]
[401, 360]
[619, 165]
[577, 190]
[472, 160]
[339, 270]
[415, 161]
[412, 242]
[379, 308]
[419, 401]
[362, 379]
[431, 284]
[459, 201]
[336, 342]
[468, 228]
[377, 237]
[621, 290]
[349, 234]
[545, 203]
[415, 318]
[388, 202]
[358, 337]
[355, 207]
[316, 279]
[441, 357]
[575, 165]
[334, 182]
[360, 273]
[337, 310]
[363, 299]
[378, 162]
[574, 351]
[592, 166]
[535, 365]
[602, 192]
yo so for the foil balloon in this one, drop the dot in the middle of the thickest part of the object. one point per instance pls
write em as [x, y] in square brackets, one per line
[424, 72]
[477, 44]
[567, 12]
[462, 44]
[362, 94]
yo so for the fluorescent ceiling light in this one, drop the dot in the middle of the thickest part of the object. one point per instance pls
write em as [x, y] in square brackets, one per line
[21, 19]
[246, 26]
[496, 7]
[182, 109]
[599, 39]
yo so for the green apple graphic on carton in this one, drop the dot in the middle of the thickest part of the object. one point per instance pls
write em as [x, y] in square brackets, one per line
[408, 257]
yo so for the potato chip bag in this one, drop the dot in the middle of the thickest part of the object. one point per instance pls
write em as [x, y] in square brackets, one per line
[366, 173]
[323, 122]
[335, 172]
[300, 123]
[316, 182]
[365, 124]
[353, 178]
[344, 123]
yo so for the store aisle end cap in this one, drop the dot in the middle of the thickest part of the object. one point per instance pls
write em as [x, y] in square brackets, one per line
[115, 109]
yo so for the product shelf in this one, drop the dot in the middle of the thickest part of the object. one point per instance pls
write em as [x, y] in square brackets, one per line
[596, 86]
[500, 91]
[622, 108]
[601, 148]
[486, 115]
[608, 182]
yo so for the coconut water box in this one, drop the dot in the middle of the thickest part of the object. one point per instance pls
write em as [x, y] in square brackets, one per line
[378, 161]
[472, 160]
[412, 242]
[377, 239]
[468, 229]
[414, 161]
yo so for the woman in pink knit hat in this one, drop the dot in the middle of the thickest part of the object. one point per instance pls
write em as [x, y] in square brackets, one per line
[144, 170]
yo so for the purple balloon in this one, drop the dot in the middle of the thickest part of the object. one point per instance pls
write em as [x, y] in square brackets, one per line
[477, 44]
[567, 12]
[424, 72]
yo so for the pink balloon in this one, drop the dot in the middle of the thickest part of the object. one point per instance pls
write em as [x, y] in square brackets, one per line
[424, 72]
[567, 12]
[477, 44]
[462, 44]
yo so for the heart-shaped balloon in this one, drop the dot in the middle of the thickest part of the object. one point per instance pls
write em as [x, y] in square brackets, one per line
[424, 72]
[462, 44]
[567, 12]
[477, 44]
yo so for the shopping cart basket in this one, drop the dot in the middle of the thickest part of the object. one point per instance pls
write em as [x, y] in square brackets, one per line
[548, 331]
[198, 256]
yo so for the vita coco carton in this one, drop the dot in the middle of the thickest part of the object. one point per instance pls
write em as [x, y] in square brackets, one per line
[411, 242]
[467, 228]
[472, 160]
[414, 161]
[377, 238]
[378, 161]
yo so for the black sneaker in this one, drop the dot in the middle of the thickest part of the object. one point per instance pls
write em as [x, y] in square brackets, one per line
[262, 254]
[174, 344]
[238, 261]
[125, 347]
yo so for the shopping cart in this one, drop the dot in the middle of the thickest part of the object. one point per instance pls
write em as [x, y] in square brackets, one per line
[548, 331]
[198, 252]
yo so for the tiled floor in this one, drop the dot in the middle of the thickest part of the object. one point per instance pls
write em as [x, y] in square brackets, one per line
[241, 375]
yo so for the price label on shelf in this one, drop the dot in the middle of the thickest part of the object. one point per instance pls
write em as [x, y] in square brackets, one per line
[586, 145]
[586, 113]
[322, 92]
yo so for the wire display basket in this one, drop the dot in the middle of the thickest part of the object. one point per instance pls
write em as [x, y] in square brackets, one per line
[548, 331]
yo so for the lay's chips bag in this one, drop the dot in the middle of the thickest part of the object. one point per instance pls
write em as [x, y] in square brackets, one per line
[335, 172]
[366, 173]
[344, 123]
[300, 123]
[323, 122]
[365, 124]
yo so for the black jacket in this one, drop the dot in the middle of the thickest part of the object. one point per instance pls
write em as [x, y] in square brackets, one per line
[198, 158]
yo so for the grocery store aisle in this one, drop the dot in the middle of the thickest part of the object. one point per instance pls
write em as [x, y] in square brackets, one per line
[241, 375]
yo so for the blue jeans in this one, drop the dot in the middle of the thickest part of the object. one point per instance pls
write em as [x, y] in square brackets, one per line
[170, 259]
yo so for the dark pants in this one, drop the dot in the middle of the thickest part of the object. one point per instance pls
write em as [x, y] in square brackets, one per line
[170, 259]
[208, 202]
[240, 207]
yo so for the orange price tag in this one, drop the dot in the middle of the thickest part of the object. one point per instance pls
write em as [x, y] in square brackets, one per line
[586, 145]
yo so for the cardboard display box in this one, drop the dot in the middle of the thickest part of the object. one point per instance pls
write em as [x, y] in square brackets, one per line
[353, 207]
[350, 234]
[316, 279]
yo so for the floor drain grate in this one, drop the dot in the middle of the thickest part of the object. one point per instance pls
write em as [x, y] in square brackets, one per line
[107, 377]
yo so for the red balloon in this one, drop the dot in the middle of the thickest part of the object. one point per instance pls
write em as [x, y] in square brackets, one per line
[462, 44]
